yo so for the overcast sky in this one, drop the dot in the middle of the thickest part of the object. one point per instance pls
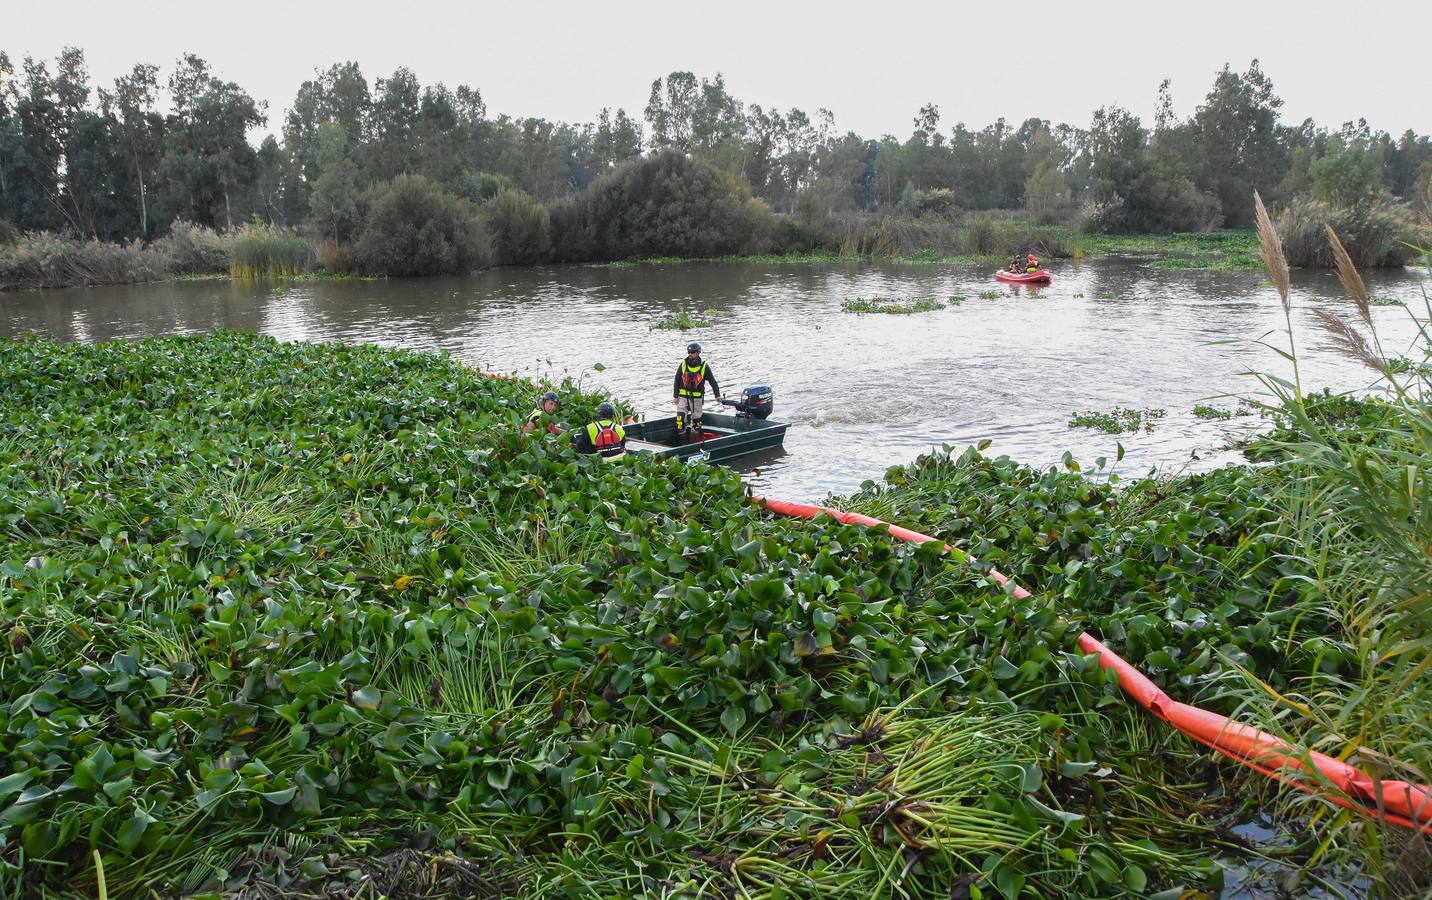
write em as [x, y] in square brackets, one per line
[872, 64]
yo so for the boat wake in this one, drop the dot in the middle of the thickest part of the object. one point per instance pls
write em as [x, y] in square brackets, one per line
[885, 413]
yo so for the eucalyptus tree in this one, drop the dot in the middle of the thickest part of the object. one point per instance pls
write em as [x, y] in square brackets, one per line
[334, 202]
[698, 116]
[1239, 141]
[33, 149]
[397, 107]
[338, 96]
[671, 109]
[616, 139]
[138, 130]
[1131, 193]
[207, 160]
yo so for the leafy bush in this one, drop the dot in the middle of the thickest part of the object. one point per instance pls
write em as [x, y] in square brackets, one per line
[939, 204]
[869, 234]
[1154, 203]
[1373, 233]
[480, 187]
[261, 249]
[519, 227]
[1134, 192]
[793, 235]
[1007, 237]
[46, 260]
[9, 234]
[665, 204]
[415, 228]
[191, 249]
[574, 234]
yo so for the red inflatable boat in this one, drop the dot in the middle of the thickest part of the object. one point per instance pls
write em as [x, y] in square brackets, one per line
[1038, 277]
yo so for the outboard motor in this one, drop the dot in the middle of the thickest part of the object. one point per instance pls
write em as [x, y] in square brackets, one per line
[756, 402]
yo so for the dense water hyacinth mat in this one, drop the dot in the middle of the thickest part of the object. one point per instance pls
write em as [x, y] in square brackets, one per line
[1399, 802]
[285, 618]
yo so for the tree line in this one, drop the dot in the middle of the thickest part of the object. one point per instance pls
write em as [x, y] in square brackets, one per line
[374, 171]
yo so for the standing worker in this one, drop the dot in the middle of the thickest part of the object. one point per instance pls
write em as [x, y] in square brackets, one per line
[689, 391]
[545, 410]
[605, 436]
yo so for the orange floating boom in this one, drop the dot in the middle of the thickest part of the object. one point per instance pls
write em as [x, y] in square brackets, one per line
[1402, 803]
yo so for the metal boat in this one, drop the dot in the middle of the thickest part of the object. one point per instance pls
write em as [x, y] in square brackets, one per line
[724, 437]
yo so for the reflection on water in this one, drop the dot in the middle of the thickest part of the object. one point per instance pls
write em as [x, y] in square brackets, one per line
[862, 392]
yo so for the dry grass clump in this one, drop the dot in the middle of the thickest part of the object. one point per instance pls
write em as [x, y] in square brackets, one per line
[191, 249]
[45, 260]
[1375, 234]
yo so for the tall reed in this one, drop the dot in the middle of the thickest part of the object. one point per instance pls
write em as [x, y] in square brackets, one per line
[1360, 517]
[262, 250]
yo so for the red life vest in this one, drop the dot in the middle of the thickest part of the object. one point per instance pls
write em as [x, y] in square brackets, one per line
[693, 380]
[606, 437]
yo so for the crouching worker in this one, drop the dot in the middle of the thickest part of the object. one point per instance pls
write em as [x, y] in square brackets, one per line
[543, 415]
[605, 436]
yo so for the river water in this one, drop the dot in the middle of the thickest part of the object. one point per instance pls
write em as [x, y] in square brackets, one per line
[861, 392]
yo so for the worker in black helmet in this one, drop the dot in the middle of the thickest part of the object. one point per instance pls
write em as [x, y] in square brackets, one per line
[605, 435]
[689, 391]
[543, 415]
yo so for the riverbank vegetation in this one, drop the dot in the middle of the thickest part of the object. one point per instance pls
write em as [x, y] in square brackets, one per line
[700, 174]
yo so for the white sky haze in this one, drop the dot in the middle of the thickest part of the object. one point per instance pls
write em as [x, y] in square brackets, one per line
[872, 64]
